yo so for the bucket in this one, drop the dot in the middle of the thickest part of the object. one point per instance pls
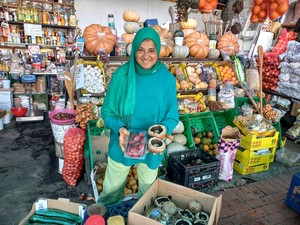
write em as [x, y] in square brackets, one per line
[6, 118]
[6, 83]
[1, 124]
[59, 131]
[60, 165]
[59, 150]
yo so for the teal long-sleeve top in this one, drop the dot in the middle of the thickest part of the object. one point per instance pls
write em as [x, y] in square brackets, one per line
[156, 103]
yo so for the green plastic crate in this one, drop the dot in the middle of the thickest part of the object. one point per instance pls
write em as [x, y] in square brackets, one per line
[239, 102]
[224, 118]
[202, 122]
[92, 130]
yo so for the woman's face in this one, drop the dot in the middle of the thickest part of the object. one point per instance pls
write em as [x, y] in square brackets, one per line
[146, 55]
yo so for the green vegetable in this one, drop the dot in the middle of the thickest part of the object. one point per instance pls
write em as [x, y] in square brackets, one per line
[59, 214]
[50, 220]
[206, 141]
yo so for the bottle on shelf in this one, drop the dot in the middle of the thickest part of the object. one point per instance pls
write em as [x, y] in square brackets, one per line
[111, 25]
[72, 19]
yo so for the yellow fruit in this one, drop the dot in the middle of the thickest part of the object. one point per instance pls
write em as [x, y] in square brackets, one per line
[205, 147]
[197, 140]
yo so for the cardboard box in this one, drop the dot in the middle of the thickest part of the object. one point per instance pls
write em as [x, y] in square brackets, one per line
[61, 204]
[296, 106]
[180, 196]
[244, 122]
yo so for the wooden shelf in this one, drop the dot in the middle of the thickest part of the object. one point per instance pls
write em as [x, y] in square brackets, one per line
[43, 25]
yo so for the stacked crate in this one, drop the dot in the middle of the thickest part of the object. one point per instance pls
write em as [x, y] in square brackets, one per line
[256, 150]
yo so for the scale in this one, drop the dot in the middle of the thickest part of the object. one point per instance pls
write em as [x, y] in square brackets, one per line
[31, 115]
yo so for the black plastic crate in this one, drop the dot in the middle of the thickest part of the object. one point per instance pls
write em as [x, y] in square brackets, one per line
[199, 177]
[121, 209]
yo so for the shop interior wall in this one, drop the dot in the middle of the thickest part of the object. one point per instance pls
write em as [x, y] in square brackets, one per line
[96, 11]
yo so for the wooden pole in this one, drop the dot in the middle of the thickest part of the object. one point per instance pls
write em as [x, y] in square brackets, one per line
[260, 58]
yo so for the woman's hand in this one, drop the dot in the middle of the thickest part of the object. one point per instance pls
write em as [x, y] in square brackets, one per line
[123, 136]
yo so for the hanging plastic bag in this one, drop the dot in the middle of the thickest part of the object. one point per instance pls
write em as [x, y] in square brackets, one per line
[259, 11]
[73, 155]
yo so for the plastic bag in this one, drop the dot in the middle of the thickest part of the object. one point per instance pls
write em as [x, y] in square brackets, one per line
[252, 77]
[227, 146]
[73, 155]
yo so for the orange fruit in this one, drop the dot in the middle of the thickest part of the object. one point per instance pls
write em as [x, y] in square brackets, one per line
[197, 140]
[205, 147]
[282, 8]
[255, 9]
[263, 6]
[273, 6]
[262, 14]
[258, 2]
[274, 15]
[254, 18]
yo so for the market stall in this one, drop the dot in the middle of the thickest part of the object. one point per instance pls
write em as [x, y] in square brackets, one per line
[237, 79]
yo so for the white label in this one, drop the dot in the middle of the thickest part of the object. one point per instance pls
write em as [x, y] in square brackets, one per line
[41, 204]
[33, 29]
[34, 49]
[81, 211]
[95, 190]
[79, 76]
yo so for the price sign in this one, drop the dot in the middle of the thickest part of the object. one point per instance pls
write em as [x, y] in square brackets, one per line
[33, 29]
[79, 76]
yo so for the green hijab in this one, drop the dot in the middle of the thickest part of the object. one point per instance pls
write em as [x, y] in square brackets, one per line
[120, 97]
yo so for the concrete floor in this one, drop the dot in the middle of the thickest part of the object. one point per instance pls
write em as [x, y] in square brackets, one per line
[29, 170]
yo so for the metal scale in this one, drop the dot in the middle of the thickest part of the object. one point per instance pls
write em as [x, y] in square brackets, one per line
[31, 115]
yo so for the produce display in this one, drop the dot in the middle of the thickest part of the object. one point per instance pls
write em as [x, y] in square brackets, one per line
[63, 116]
[204, 140]
[73, 155]
[54, 216]
[131, 181]
[84, 113]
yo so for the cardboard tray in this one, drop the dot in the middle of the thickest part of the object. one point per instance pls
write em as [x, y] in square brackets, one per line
[61, 204]
[180, 196]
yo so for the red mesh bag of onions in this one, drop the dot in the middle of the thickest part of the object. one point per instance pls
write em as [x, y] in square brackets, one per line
[73, 155]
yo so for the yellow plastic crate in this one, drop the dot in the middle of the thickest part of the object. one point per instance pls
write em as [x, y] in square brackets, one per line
[244, 169]
[243, 122]
[253, 142]
[251, 158]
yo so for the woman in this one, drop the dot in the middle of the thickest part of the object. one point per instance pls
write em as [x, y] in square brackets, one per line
[141, 93]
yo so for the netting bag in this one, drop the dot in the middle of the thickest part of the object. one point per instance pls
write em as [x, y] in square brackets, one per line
[73, 155]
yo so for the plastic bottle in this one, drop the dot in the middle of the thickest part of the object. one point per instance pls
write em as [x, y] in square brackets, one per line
[72, 19]
[111, 25]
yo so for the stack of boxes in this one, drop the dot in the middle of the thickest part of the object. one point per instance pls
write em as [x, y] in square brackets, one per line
[257, 149]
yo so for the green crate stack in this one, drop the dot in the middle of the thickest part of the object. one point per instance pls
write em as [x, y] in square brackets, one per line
[224, 118]
[92, 130]
[200, 122]
[240, 101]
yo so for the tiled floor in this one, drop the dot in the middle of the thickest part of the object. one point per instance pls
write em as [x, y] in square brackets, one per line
[258, 203]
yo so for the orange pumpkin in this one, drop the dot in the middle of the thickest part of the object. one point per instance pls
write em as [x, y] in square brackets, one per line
[166, 40]
[128, 38]
[228, 43]
[131, 16]
[97, 37]
[198, 44]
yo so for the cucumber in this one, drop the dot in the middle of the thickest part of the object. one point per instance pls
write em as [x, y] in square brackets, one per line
[36, 219]
[59, 214]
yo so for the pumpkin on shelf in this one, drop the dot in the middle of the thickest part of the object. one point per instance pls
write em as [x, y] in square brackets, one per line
[187, 32]
[207, 6]
[98, 37]
[166, 40]
[228, 43]
[180, 51]
[131, 16]
[131, 27]
[189, 24]
[198, 44]
[128, 38]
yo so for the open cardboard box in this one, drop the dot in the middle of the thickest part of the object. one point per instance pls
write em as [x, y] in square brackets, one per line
[244, 122]
[61, 204]
[180, 196]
